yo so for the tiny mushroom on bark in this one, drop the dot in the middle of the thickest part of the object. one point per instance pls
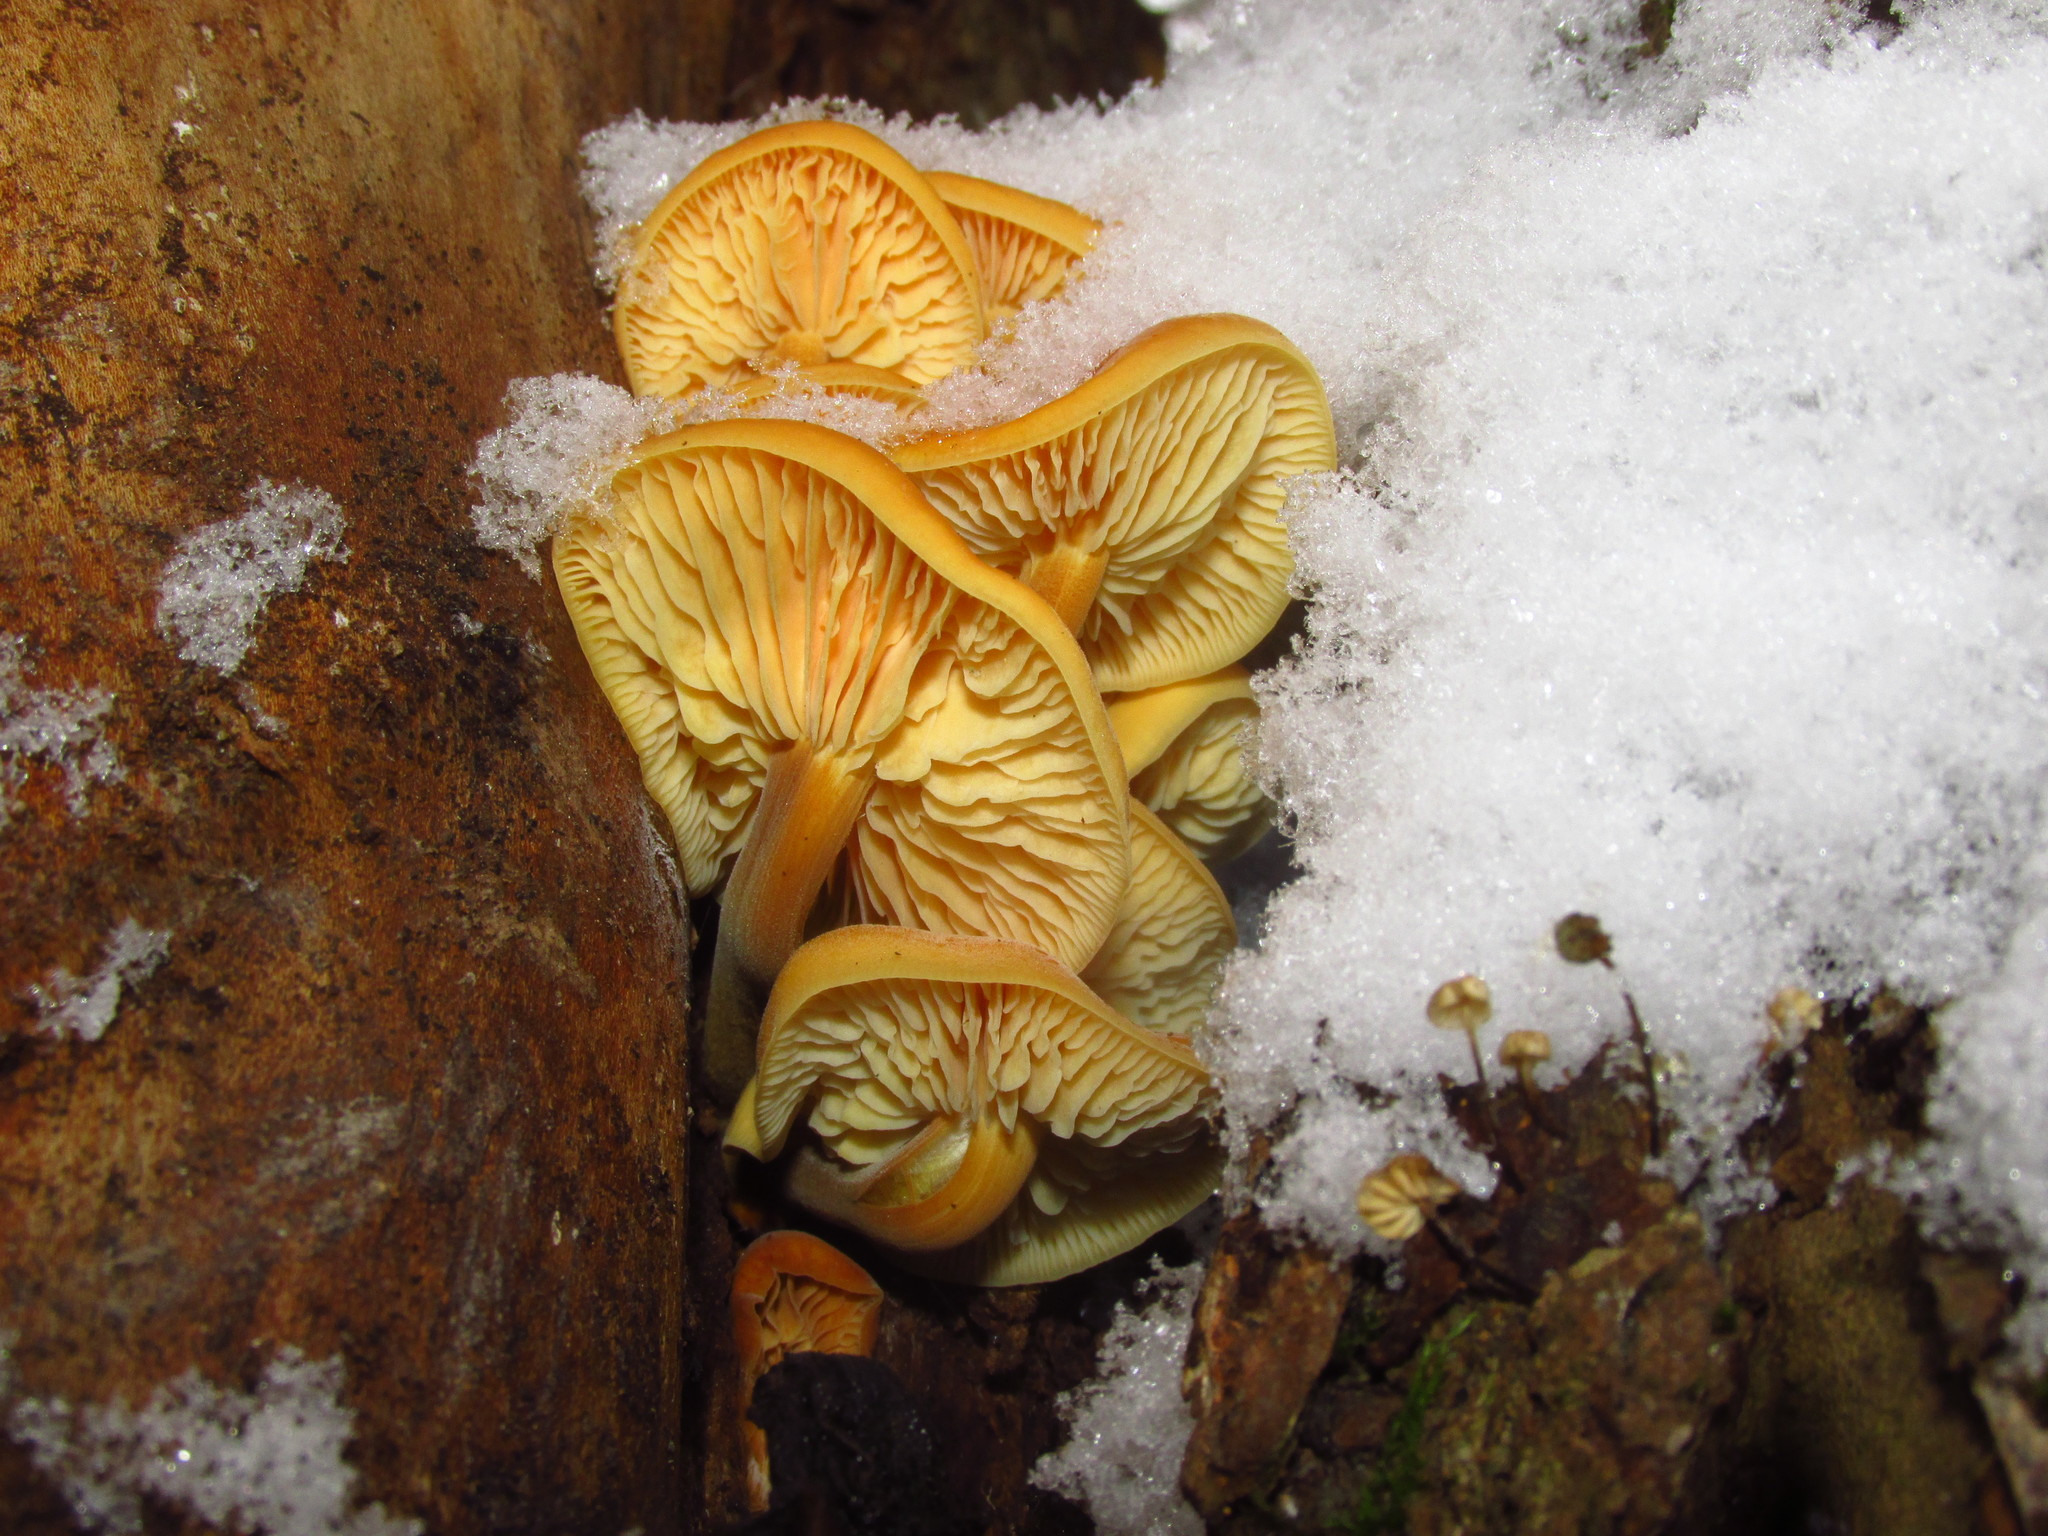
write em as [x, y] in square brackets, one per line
[1160, 963]
[792, 1294]
[1184, 748]
[1145, 505]
[821, 681]
[1398, 1200]
[1023, 244]
[807, 243]
[934, 1071]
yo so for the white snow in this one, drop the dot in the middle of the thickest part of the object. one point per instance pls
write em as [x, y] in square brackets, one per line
[1690, 562]
[84, 1006]
[1128, 1427]
[267, 1462]
[56, 727]
[222, 576]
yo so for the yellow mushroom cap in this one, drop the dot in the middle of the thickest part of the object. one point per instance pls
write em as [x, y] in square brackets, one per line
[1395, 1201]
[1162, 959]
[1464, 1002]
[1023, 244]
[1184, 747]
[757, 584]
[1524, 1048]
[808, 243]
[935, 1069]
[825, 686]
[1081, 1207]
[793, 1294]
[1145, 504]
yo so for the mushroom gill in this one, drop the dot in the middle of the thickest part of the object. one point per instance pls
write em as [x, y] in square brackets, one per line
[1023, 244]
[806, 243]
[935, 1071]
[1144, 505]
[794, 1294]
[1184, 748]
[1161, 961]
[816, 674]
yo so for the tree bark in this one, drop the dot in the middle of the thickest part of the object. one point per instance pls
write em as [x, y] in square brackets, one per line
[408, 1088]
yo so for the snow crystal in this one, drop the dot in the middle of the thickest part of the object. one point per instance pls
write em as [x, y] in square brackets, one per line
[84, 1006]
[270, 1462]
[1692, 578]
[56, 726]
[565, 436]
[222, 576]
[1128, 1428]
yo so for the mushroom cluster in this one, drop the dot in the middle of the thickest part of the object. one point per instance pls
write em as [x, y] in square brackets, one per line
[951, 729]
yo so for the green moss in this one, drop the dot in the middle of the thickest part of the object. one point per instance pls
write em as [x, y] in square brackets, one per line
[1362, 1323]
[1383, 1507]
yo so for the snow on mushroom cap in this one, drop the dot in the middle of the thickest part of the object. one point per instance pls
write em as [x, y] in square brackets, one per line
[806, 243]
[1167, 468]
[761, 583]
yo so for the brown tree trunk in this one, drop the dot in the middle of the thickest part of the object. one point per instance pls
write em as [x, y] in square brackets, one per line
[408, 1087]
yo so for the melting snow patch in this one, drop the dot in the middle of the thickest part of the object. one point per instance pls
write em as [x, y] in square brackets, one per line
[222, 576]
[84, 1006]
[267, 1463]
[1128, 1428]
[57, 727]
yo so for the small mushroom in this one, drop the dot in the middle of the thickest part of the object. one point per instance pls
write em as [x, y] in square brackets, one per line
[792, 1294]
[1402, 1198]
[1184, 747]
[1464, 1003]
[1161, 961]
[1398, 1200]
[933, 1069]
[806, 243]
[1794, 1013]
[821, 681]
[1521, 1052]
[1144, 506]
[1023, 244]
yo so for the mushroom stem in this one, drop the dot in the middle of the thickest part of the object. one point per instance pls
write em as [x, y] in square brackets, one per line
[1068, 577]
[1472, 1263]
[809, 802]
[944, 1190]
